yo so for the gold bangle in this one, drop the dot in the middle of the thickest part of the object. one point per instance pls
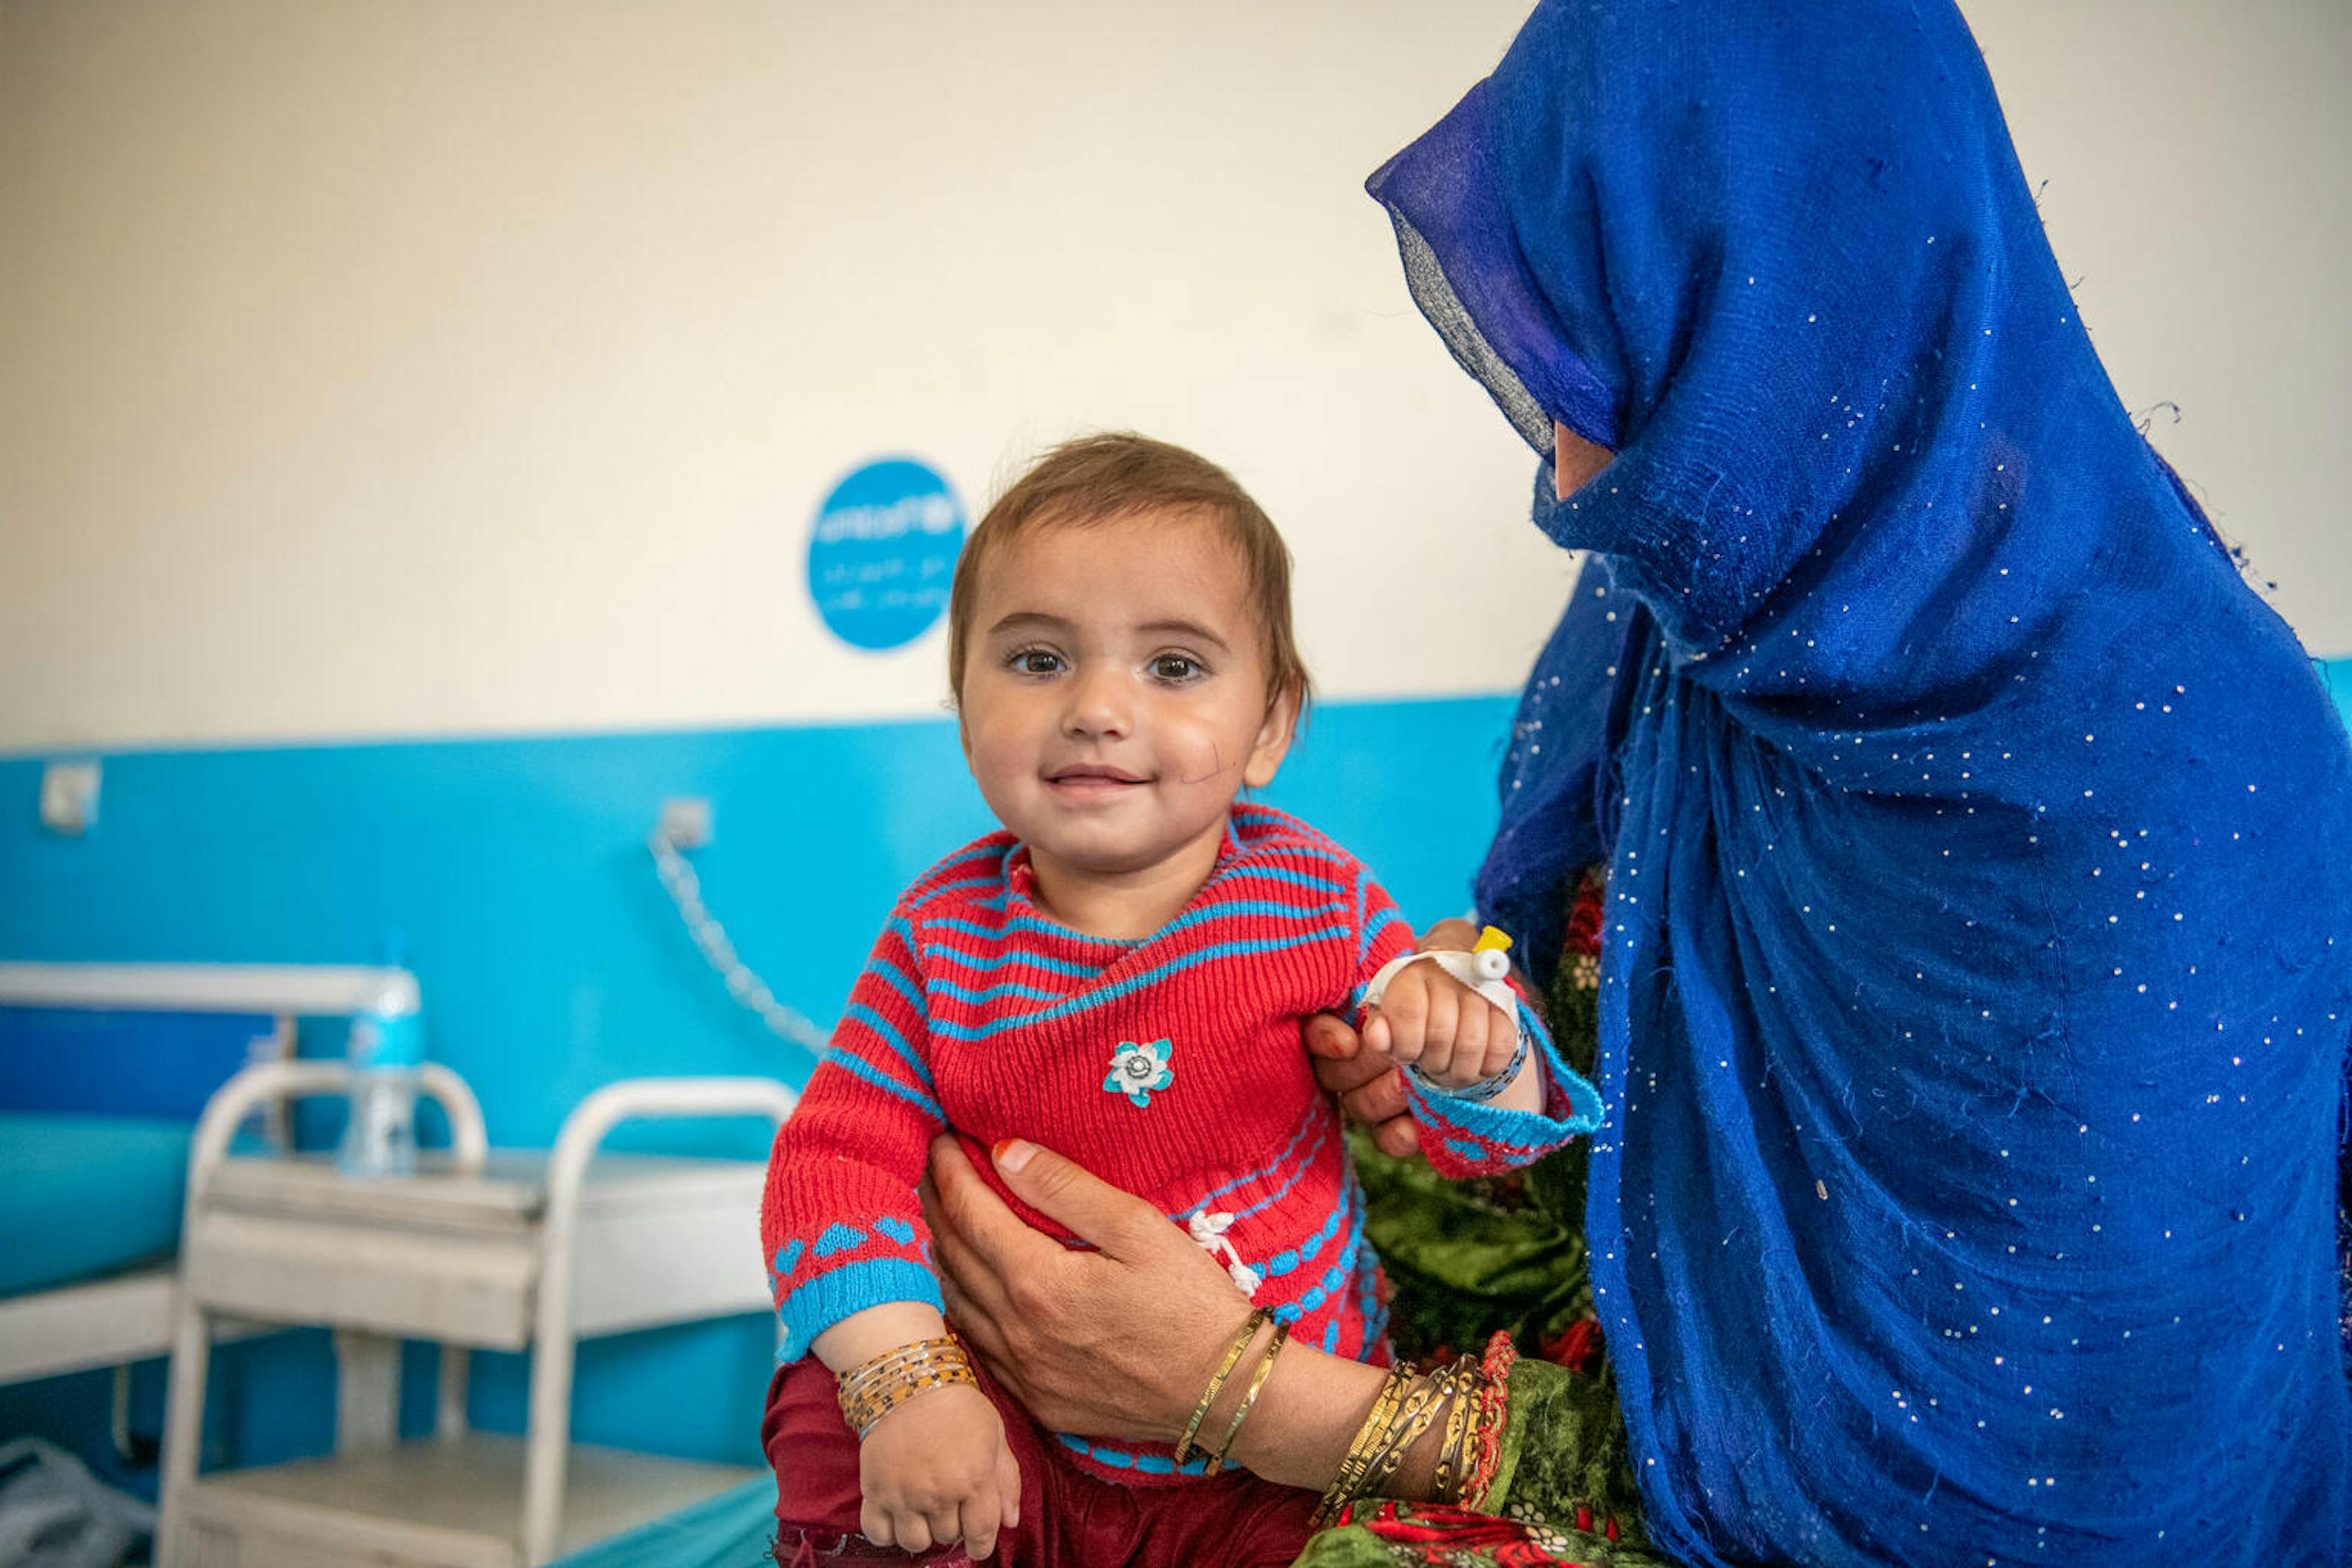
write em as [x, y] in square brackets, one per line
[1366, 1450]
[904, 1365]
[1217, 1381]
[876, 1368]
[872, 1389]
[1405, 1429]
[921, 1350]
[1346, 1481]
[1445, 1481]
[1249, 1395]
[863, 1415]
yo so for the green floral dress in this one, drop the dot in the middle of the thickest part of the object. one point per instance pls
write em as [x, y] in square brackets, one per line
[1467, 1259]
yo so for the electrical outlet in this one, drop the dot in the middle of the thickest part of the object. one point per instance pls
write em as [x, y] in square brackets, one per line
[686, 821]
[70, 798]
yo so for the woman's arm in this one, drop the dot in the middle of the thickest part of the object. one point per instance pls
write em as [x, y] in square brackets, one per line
[1120, 1341]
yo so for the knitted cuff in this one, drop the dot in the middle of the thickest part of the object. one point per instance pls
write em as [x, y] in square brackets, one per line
[1475, 1139]
[821, 1302]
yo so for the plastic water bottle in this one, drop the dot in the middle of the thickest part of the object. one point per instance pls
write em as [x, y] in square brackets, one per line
[387, 1046]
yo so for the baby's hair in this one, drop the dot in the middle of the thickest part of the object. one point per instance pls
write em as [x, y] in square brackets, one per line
[1100, 479]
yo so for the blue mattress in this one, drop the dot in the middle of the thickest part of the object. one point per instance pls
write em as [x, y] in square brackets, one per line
[728, 1531]
[82, 1195]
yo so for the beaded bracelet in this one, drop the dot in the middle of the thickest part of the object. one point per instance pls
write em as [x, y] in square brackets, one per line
[1217, 1381]
[872, 1389]
[1249, 1395]
[1486, 1442]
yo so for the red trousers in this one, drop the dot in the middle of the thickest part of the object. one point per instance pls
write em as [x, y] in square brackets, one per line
[1069, 1518]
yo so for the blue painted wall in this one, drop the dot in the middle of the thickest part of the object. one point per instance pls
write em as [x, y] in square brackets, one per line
[2336, 674]
[552, 962]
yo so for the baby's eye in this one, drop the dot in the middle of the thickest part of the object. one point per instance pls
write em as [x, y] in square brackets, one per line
[1035, 661]
[1176, 669]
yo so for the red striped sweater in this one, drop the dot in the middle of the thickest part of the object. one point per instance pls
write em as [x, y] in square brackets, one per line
[1171, 1066]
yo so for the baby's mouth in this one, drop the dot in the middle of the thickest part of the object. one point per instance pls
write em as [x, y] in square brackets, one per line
[1092, 776]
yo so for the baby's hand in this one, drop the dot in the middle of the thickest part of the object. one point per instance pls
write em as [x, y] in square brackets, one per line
[937, 1469]
[1433, 1022]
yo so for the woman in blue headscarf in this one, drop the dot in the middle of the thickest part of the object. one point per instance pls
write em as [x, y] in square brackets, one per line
[1975, 959]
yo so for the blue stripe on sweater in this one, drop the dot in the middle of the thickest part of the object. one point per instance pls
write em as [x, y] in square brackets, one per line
[1290, 1258]
[888, 1033]
[1381, 923]
[1015, 955]
[966, 884]
[1033, 923]
[1113, 1457]
[1268, 907]
[1305, 1165]
[897, 979]
[1363, 902]
[947, 1029]
[1223, 909]
[1309, 1125]
[1324, 1289]
[987, 993]
[1244, 872]
[858, 1067]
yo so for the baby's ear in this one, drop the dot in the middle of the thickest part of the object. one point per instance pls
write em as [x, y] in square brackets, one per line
[1274, 738]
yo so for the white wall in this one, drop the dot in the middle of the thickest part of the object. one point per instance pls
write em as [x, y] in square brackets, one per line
[420, 366]
[2196, 156]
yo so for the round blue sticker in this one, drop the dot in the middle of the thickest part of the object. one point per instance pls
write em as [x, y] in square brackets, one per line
[883, 552]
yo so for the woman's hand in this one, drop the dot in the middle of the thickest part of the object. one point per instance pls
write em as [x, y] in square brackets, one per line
[1359, 1069]
[1115, 1343]
[1120, 1341]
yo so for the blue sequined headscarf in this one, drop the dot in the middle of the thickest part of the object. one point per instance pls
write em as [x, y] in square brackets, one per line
[1980, 908]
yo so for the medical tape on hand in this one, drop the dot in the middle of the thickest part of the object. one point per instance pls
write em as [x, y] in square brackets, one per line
[1484, 972]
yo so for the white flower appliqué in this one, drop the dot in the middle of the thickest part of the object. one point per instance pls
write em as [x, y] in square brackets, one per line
[1136, 1070]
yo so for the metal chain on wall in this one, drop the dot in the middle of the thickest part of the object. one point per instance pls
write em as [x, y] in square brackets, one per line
[685, 891]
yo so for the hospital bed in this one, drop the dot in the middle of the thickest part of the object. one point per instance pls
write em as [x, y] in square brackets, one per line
[155, 1229]
[93, 1149]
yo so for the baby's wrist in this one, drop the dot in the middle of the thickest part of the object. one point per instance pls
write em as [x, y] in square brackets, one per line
[876, 1330]
[1483, 1088]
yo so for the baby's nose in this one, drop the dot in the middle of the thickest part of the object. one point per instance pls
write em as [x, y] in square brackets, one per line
[1099, 703]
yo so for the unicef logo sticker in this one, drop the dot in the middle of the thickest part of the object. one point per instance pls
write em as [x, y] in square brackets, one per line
[884, 551]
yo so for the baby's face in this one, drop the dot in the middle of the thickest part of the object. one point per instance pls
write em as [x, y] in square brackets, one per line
[1113, 699]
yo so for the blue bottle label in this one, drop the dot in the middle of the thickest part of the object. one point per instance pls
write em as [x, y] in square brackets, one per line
[379, 1041]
